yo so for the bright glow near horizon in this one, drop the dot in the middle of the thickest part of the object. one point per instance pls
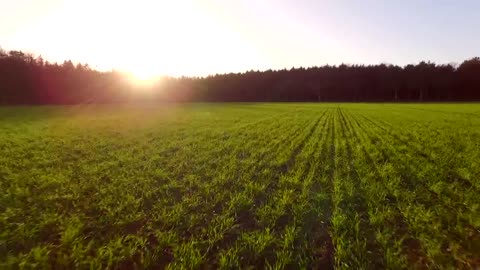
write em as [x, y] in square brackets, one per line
[145, 38]
[200, 37]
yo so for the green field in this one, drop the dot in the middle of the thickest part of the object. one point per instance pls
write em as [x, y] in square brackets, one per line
[359, 186]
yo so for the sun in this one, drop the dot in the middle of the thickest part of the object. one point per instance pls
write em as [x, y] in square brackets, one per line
[143, 76]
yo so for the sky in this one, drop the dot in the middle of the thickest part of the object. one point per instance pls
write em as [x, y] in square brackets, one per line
[197, 38]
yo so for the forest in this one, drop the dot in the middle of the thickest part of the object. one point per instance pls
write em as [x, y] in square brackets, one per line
[29, 80]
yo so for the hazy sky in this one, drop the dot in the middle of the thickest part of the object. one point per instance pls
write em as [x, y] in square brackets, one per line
[187, 37]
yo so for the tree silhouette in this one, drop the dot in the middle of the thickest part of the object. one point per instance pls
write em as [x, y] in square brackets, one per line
[28, 80]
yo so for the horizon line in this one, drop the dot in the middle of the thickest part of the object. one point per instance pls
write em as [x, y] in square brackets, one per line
[126, 72]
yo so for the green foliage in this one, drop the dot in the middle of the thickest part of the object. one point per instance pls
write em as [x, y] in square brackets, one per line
[275, 186]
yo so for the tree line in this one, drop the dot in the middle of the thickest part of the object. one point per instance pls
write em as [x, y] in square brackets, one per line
[25, 79]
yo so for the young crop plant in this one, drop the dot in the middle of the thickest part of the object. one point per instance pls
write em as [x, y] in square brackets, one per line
[240, 186]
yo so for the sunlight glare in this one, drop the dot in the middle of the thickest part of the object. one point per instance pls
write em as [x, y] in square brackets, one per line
[144, 75]
[174, 38]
